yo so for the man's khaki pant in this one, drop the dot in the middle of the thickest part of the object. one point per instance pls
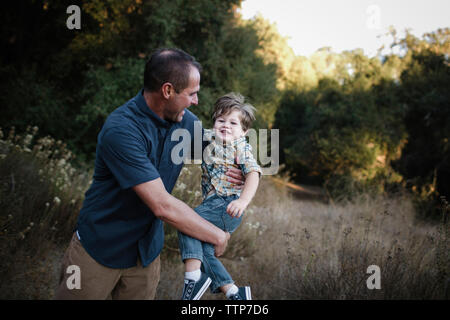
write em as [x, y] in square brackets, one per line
[99, 282]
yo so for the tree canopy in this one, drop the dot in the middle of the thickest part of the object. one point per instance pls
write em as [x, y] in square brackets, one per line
[347, 122]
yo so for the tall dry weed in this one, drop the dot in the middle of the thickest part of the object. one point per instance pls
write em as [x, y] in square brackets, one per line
[40, 196]
[297, 249]
[286, 247]
[323, 251]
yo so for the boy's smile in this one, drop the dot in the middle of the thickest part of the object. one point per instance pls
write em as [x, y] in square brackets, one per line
[228, 127]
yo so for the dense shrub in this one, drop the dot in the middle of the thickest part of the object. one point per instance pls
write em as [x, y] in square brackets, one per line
[40, 196]
[373, 125]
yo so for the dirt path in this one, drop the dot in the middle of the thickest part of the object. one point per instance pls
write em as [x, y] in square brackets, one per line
[301, 191]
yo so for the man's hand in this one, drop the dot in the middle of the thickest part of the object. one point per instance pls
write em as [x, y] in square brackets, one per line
[236, 208]
[235, 176]
[220, 248]
[179, 215]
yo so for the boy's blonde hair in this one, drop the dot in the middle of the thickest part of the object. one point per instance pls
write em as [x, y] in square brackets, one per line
[235, 101]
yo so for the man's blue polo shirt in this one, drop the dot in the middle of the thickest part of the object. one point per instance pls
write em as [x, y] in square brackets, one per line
[134, 146]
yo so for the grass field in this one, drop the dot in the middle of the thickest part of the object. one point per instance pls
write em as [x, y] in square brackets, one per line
[288, 247]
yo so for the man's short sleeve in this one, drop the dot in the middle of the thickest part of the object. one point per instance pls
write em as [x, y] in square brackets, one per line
[126, 156]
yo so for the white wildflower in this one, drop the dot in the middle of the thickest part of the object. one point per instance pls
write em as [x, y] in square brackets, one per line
[56, 200]
[27, 140]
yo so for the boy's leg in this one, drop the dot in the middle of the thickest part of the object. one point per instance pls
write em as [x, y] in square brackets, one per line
[222, 280]
[191, 264]
[213, 209]
[226, 288]
[215, 269]
[217, 215]
[191, 250]
[192, 269]
[195, 283]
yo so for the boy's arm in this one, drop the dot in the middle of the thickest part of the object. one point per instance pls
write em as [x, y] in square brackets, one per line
[237, 207]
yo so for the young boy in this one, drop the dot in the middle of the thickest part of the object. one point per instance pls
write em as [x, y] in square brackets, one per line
[223, 203]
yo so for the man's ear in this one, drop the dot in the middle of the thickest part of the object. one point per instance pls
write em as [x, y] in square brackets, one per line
[167, 90]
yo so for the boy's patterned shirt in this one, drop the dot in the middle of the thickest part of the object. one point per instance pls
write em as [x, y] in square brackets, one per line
[218, 158]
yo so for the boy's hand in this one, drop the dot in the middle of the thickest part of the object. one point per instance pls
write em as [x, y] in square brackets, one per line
[236, 207]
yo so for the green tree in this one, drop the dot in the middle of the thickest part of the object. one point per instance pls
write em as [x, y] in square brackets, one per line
[425, 161]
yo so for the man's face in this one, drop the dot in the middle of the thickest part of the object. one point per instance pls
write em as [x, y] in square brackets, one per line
[187, 97]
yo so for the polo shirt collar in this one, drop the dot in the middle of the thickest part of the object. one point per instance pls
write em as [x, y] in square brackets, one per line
[142, 105]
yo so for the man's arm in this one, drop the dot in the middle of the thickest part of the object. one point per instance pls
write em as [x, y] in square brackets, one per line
[178, 214]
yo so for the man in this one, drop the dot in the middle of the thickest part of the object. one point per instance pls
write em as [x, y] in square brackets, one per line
[119, 232]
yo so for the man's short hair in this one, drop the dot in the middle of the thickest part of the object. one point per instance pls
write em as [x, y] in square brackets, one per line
[169, 65]
[235, 101]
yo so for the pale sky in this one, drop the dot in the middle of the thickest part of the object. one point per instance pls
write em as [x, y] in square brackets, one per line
[348, 24]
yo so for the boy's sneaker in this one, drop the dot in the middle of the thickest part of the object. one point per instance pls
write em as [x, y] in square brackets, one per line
[244, 293]
[193, 290]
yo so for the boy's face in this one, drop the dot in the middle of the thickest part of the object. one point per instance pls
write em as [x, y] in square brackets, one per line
[227, 127]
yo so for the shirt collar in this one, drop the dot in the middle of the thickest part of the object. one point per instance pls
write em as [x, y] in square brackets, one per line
[239, 141]
[142, 105]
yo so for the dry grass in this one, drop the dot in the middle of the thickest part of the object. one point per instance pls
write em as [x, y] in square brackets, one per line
[40, 196]
[297, 249]
[286, 248]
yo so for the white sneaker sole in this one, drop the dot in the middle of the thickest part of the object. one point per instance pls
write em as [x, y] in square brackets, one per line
[248, 293]
[202, 289]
